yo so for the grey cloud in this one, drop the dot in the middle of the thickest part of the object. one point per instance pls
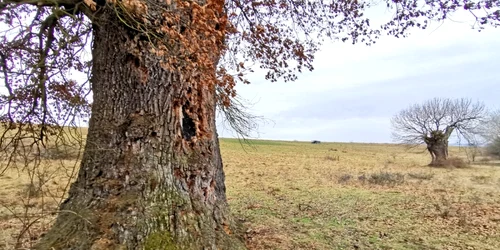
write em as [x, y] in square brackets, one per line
[384, 98]
[353, 99]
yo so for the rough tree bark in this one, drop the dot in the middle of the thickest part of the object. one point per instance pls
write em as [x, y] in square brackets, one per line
[437, 145]
[151, 176]
[438, 154]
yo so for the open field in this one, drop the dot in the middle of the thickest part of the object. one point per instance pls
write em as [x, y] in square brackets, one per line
[298, 195]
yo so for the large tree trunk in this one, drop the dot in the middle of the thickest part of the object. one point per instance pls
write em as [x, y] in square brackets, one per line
[438, 149]
[437, 145]
[439, 153]
[151, 176]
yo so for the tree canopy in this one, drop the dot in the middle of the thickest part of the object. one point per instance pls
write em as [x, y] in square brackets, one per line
[414, 124]
[44, 42]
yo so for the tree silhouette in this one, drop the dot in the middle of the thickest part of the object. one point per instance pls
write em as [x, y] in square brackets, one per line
[433, 122]
[151, 174]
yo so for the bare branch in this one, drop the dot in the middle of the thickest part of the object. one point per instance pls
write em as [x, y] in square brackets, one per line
[39, 3]
[418, 122]
[237, 117]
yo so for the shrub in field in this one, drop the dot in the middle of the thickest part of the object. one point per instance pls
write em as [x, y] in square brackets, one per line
[493, 149]
[362, 178]
[421, 176]
[332, 158]
[455, 162]
[345, 178]
[481, 179]
[386, 178]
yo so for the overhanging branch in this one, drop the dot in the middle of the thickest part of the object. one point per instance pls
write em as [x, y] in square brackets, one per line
[41, 3]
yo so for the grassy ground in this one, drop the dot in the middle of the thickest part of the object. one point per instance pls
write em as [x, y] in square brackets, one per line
[296, 195]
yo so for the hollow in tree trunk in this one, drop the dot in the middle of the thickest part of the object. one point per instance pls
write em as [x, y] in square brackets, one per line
[151, 176]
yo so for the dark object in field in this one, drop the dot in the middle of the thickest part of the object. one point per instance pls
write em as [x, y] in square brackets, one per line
[315, 142]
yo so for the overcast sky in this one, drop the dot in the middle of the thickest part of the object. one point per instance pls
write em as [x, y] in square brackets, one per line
[355, 89]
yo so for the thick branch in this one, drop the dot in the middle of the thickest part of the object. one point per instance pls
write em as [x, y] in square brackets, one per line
[42, 3]
[48, 26]
[3, 65]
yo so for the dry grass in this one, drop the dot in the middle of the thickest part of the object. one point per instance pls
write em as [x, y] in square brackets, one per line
[28, 202]
[292, 195]
[296, 195]
[32, 185]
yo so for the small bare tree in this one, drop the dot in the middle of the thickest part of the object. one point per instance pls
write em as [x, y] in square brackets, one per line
[433, 122]
[490, 132]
